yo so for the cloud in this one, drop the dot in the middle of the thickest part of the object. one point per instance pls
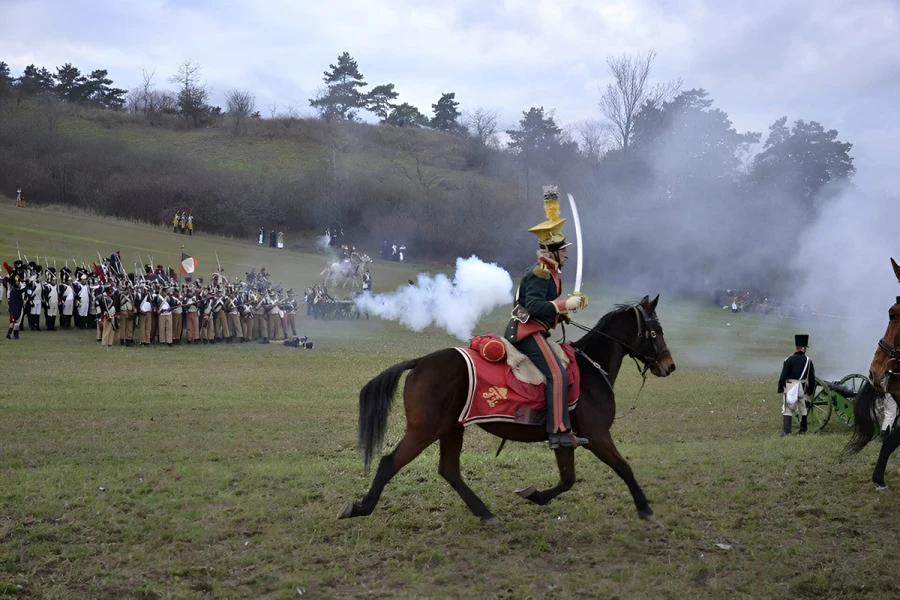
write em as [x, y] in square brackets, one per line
[823, 60]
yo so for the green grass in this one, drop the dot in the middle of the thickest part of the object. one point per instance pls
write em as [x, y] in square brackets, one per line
[223, 468]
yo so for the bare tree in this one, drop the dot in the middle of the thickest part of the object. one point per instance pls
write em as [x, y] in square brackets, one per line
[240, 105]
[594, 137]
[482, 125]
[192, 93]
[623, 99]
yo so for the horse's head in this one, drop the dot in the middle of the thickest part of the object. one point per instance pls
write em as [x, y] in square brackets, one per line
[884, 372]
[636, 328]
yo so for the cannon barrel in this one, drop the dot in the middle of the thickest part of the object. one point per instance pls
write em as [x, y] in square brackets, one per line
[840, 389]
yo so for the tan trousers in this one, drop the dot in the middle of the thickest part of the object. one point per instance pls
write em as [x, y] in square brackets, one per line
[126, 325]
[259, 326]
[177, 326]
[193, 326]
[109, 333]
[165, 329]
[207, 327]
[154, 326]
[234, 325]
[247, 327]
[221, 320]
[274, 325]
[146, 328]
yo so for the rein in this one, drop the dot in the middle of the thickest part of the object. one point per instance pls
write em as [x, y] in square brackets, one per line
[634, 353]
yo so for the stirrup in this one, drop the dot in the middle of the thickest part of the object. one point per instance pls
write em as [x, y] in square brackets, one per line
[566, 439]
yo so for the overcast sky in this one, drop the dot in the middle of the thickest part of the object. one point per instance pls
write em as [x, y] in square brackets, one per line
[831, 61]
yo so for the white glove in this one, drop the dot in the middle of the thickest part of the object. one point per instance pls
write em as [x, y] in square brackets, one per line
[576, 302]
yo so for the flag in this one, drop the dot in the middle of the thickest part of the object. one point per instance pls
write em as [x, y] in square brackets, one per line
[98, 271]
[188, 264]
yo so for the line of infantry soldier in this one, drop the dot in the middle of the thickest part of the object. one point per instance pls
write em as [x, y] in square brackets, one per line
[149, 308]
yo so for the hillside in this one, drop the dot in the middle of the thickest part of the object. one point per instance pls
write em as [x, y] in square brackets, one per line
[300, 176]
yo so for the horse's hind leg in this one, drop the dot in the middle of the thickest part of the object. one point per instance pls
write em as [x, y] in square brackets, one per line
[409, 447]
[606, 450]
[451, 447]
[891, 442]
[565, 460]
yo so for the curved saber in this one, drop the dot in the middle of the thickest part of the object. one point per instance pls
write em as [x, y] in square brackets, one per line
[579, 264]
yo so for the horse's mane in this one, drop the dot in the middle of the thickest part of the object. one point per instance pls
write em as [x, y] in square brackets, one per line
[604, 322]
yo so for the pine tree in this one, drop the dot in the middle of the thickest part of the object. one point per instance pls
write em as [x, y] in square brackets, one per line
[341, 98]
[446, 115]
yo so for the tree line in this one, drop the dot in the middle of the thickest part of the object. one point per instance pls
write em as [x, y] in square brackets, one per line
[657, 159]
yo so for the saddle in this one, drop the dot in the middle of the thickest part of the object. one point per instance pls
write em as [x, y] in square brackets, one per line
[506, 387]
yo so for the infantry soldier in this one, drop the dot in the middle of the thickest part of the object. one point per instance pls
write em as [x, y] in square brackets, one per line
[538, 309]
[164, 309]
[232, 314]
[66, 298]
[175, 221]
[20, 203]
[190, 224]
[50, 299]
[126, 314]
[798, 379]
[16, 304]
[193, 318]
[107, 318]
[177, 315]
[146, 315]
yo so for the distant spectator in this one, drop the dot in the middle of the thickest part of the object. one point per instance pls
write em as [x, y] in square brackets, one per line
[280, 239]
[262, 236]
[20, 199]
[272, 239]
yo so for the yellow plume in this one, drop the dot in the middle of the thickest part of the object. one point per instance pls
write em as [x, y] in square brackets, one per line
[551, 208]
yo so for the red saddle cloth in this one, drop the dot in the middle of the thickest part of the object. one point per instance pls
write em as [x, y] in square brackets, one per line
[496, 396]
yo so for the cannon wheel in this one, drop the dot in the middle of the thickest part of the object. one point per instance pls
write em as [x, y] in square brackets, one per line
[854, 381]
[818, 408]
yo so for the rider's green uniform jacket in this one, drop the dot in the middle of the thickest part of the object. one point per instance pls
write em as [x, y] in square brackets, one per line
[538, 295]
[793, 369]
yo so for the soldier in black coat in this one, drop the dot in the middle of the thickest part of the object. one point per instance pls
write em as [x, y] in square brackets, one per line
[16, 302]
[797, 370]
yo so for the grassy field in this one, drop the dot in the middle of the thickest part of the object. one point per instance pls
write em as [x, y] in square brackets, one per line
[219, 471]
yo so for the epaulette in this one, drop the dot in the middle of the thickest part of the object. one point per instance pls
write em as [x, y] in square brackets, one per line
[541, 271]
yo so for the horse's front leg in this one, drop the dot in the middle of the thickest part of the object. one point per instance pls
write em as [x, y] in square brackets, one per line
[565, 460]
[891, 442]
[606, 450]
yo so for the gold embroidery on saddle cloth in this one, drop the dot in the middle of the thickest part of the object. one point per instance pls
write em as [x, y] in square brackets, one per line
[495, 395]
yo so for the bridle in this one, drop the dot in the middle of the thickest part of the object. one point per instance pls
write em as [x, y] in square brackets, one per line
[893, 352]
[646, 332]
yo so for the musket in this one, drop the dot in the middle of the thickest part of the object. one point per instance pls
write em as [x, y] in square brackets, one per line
[19, 252]
[217, 262]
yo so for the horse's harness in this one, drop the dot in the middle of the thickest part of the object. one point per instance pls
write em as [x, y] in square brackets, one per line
[646, 331]
[891, 351]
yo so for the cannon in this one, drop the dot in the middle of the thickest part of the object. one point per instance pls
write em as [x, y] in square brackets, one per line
[832, 397]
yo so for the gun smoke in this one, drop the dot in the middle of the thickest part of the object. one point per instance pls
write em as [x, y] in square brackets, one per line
[454, 305]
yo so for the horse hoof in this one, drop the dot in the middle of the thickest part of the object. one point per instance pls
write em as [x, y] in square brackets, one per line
[347, 512]
[654, 521]
[490, 522]
[525, 492]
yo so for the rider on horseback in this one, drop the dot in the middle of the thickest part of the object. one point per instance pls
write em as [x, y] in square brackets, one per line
[538, 309]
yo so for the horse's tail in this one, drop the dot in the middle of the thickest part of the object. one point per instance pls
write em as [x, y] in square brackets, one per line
[864, 425]
[375, 406]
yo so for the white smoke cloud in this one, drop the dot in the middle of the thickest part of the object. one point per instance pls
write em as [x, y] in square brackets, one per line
[322, 242]
[845, 257]
[454, 305]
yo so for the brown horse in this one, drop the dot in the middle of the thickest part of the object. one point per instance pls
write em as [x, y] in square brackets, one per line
[436, 390]
[884, 378]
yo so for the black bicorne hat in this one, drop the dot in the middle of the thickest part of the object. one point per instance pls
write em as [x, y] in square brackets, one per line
[801, 340]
